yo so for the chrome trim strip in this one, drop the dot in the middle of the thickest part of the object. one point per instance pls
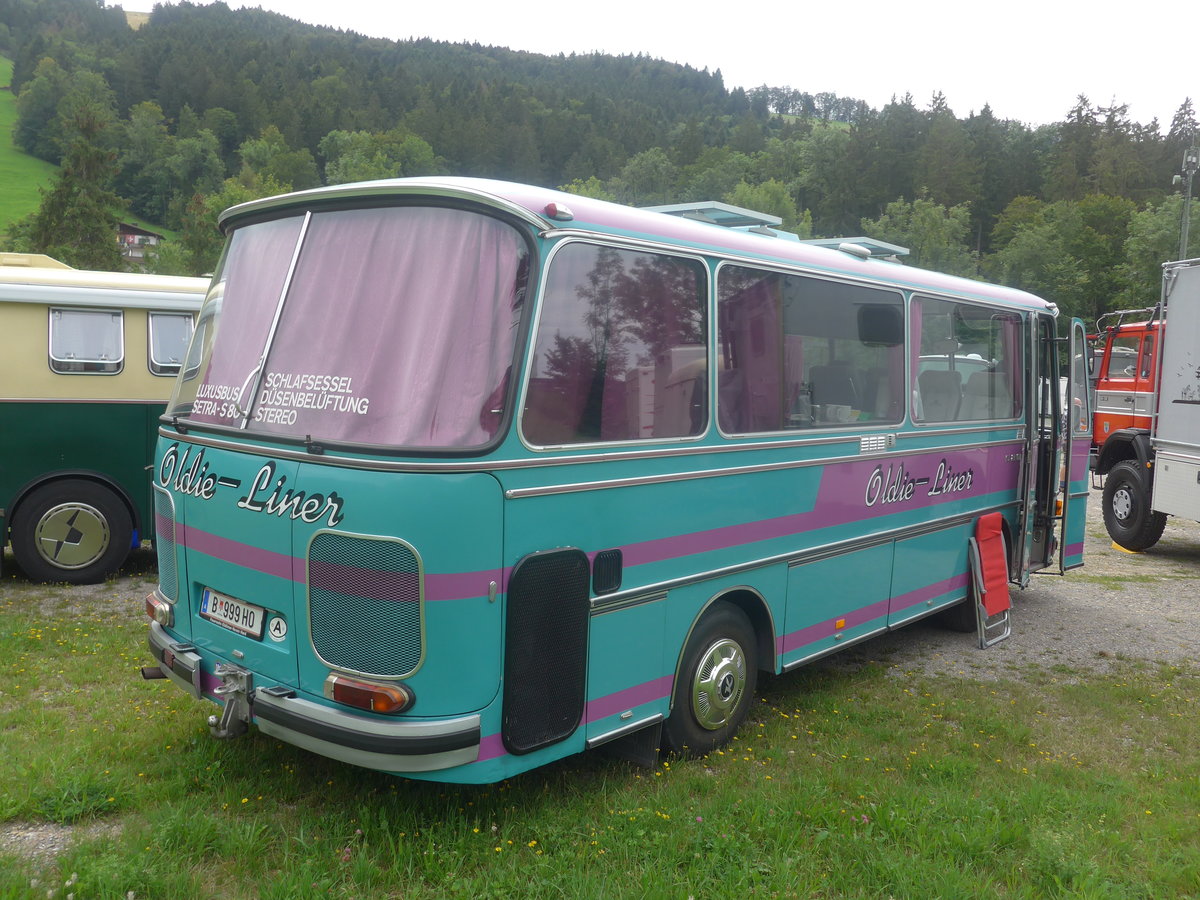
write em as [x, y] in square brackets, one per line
[625, 600]
[671, 477]
[489, 464]
[623, 731]
[836, 648]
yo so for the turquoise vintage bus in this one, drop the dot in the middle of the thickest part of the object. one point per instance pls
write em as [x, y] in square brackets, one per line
[460, 477]
[86, 362]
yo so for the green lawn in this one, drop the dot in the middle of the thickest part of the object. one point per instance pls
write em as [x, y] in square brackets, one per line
[20, 174]
[869, 783]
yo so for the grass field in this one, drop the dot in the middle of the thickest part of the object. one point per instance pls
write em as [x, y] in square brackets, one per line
[851, 783]
[20, 174]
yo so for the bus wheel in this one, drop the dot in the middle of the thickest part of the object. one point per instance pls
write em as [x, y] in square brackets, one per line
[714, 685]
[1127, 514]
[71, 530]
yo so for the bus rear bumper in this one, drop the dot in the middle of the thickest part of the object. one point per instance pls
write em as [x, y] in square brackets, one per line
[374, 743]
[408, 746]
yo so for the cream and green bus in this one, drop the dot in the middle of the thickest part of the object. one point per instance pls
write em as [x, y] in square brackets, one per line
[86, 365]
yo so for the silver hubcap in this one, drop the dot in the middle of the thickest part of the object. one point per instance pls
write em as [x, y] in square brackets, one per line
[1122, 503]
[719, 683]
[72, 535]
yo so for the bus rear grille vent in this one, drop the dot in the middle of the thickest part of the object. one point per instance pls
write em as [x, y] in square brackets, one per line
[366, 604]
[164, 544]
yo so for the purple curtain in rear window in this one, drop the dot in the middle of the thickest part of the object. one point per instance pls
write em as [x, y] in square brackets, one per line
[241, 304]
[397, 329]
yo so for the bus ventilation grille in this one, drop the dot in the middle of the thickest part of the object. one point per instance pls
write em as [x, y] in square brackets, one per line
[365, 600]
[545, 651]
[164, 544]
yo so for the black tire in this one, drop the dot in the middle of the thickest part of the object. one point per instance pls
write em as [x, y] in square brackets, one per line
[71, 530]
[960, 617]
[715, 683]
[1127, 513]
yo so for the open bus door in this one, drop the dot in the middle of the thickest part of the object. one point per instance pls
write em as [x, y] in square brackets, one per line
[1037, 543]
[1077, 446]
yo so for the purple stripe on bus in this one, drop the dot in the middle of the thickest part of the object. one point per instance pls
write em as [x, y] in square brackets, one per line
[452, 586]
[460, 585]
[365, 582]
[603, 707]
[281, 565]
[822, 630]
[843, 498]
[491, 747]
[819, 631]
[921, 595]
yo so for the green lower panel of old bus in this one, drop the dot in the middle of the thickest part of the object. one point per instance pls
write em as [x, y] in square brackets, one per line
[95, 453]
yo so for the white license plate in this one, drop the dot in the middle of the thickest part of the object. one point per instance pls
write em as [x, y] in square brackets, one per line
[233, 614]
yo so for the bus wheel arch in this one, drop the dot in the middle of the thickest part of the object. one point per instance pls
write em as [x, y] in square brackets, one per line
[71, 528]
[716, 677]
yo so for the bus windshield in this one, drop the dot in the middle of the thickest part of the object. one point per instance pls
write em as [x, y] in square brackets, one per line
[361, 326]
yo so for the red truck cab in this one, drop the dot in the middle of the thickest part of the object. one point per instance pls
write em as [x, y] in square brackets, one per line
[1124, 384]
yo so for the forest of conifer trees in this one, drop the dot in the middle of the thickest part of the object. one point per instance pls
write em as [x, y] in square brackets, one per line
[204, 106]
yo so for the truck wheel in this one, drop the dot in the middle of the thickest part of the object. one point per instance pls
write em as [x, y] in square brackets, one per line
[71, 530]
[1127, 514]
[714, 685]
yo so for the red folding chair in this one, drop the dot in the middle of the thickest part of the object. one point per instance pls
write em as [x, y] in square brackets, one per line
[989, 571]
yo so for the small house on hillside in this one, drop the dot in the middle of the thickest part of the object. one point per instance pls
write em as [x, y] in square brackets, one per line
[135, 240]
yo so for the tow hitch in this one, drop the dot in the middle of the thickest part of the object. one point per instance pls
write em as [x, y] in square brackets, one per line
[234, 690]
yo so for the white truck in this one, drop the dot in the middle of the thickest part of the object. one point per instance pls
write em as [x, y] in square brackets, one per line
[1162, 476]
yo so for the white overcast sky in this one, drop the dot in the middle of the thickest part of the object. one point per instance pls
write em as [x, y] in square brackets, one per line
[1029, 59]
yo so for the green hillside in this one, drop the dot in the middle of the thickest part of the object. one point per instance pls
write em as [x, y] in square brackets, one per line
[20, 174]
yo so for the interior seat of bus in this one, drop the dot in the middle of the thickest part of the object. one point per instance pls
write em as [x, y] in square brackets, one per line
[986, 396]
[941, 393]
[835, 384]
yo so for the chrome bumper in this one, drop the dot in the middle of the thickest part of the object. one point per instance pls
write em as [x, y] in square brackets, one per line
[410, 745]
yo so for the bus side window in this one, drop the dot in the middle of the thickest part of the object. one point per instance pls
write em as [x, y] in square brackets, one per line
[621, 349]
[966, 360]
[86, 342]
[802, 352]
[168, 343]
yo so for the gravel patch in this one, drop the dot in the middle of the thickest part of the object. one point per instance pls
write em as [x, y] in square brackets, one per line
[1120, 607]
[42, 842]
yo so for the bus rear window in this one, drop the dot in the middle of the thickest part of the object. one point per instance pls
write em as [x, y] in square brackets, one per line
[391, 326]
[84, 341]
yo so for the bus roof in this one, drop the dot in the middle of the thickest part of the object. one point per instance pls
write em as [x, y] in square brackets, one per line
[58, 285]
[552, 211]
